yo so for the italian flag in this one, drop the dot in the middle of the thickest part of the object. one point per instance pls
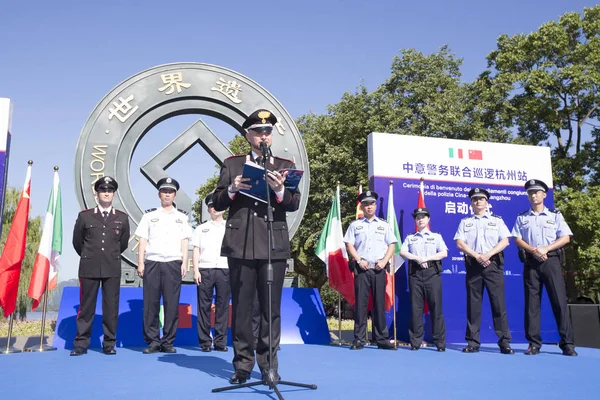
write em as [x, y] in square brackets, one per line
[45, 267]
[397, 260]
[332, 251]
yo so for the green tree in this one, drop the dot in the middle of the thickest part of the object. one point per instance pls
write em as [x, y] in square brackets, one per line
[34, 234]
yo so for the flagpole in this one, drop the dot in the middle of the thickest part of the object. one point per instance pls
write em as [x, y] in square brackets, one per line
[393, 272]
[42, 346]
[9, 349]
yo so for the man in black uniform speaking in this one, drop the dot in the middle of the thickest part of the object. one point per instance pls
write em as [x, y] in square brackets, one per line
[246, 246]
[100, 236]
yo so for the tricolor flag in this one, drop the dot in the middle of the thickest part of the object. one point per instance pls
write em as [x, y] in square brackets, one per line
[14, 251]
[471, 154]
[398, 261]
[331, 249]
[45, 267]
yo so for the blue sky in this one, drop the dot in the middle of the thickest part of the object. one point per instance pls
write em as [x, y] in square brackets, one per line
[58, 59]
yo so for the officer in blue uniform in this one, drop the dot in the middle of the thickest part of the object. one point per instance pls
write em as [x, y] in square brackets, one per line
[541, 234]
[370, 244]
[425, 250]
[482, 238]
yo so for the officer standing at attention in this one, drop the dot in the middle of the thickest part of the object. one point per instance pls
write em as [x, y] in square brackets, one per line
[370, 244]
[482, 237]
[246, 246]
[541, 234]
[211, 273]
[425, 250]
[100, 235]
[162, 263]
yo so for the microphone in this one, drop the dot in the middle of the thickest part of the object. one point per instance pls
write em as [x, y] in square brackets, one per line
[264, 149]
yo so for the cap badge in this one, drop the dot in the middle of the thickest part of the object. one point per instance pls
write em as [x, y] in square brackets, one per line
[476, 190]
[169, 180]
[106, 179]
[368, 193]
[264, 115]
[532, 182]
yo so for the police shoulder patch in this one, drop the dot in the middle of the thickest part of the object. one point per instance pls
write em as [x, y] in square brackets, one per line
[182, 211]
[150, 210]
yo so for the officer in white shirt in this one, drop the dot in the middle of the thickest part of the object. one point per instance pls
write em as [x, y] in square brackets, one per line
[162, 263]
[211, 273]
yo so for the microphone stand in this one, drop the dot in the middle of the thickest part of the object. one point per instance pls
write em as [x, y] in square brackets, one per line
[271, 378]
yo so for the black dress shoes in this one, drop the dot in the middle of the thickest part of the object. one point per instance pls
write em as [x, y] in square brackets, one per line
[415, 348]
[221, 348]
[109, 350]
[470, 349]
[167, 348]
[151, 349]
[569, 351]
[386, 346]
[441, 349]
[532, 350]
[78, 351]
[239, 377]
[506, 350]
[357, 345]
[205, 348]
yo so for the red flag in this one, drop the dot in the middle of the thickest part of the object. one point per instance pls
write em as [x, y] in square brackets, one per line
[421, 204]
[475, 155]
[14, 251]
[359, 211]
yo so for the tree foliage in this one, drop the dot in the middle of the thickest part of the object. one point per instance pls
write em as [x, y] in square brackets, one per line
[34, 234]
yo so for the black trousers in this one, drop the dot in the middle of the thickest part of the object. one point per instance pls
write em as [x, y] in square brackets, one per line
[246, 278]
[426, 284]
[364, 282]
[88, 294]
[492, 279]
[548, 274]
[216, 279]
[161, 279]
[256, 320]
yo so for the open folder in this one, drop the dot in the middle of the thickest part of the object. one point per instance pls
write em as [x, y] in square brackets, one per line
[256, 173]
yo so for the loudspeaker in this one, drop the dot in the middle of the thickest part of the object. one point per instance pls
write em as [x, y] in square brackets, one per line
[585, 319]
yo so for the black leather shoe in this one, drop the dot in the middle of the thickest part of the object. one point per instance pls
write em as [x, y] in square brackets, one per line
[441, 349]
[151, 349]
[357, 345]
[167, 348]
[239, 377]
[386, 346]
[569, 351]
[414, 348]
[78, 351]
[109, 350]
[532, 350]
[219, 348]
[506, 350]
[206, 348]
[265, 377]
[470, 349]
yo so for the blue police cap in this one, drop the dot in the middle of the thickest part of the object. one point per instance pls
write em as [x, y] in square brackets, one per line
[535, 185]
[168, 183]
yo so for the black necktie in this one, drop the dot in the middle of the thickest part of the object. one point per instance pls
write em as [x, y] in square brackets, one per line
[105, 214]
[259, 160]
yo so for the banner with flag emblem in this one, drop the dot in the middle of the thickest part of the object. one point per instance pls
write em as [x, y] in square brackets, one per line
[14, 251]
[45, 267]
[332, 251]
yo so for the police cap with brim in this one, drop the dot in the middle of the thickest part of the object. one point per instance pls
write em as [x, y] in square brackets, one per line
[420, 211]
[368, 197]
[168, 183]
[479, 192]
[534, 185]
[208, 200]
[106, 182]
[260, 121]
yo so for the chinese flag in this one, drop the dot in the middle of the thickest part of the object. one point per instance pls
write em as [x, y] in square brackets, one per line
[359, 211]
[14, 252]
[475, 155]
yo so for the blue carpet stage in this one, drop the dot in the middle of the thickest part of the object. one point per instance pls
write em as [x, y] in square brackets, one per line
[338, 372]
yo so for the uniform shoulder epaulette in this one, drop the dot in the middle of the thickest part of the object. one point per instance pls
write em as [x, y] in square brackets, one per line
[284, 159]
[182, 211]
[524, 212]
[466, 217]
[554, 210]
[149, 210]
[236, 155]
[495, 215]
[119, 211]
[89, 209]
